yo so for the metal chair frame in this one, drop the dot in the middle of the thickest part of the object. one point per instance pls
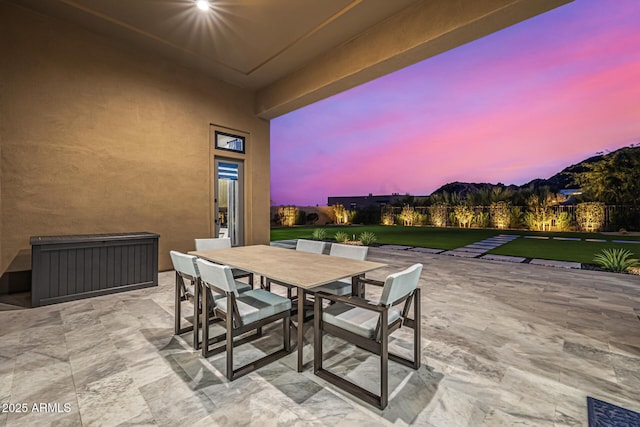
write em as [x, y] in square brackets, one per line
[235, 328]
[378, 345]
[180, 296]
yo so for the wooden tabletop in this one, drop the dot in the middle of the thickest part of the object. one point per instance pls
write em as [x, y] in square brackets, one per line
[297, 268]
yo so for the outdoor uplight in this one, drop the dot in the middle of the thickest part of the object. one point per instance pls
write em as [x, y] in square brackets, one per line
[203, 5]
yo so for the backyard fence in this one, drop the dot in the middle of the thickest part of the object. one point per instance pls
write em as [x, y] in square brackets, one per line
[583, 216]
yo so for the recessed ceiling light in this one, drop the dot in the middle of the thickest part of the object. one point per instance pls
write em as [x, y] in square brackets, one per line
[203, 5]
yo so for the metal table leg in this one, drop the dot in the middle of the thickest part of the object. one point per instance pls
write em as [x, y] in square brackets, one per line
[301, 298]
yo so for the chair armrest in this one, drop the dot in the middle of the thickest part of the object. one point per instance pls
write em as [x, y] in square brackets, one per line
[350, 300]
[370, 281]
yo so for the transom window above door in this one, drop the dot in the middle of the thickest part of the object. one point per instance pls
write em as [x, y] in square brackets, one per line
[229, 142]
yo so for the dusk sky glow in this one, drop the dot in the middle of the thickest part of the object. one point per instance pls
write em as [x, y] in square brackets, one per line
[519, 104]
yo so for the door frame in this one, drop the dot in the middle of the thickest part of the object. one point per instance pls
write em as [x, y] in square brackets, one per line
[241, 211]
[225, 155]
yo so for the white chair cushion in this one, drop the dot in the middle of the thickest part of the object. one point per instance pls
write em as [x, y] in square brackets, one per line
[399, 285]
[256, 304]
[311, 246]
[191, 289]
[355, 319]
[240, 287]
[184, 263]
[349, 251]
[243, 287]
[212, 244]
[339, 288]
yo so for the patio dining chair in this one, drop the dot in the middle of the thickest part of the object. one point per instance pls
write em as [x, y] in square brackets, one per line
[368, 325]
[343, 286]
[222, 243]
[241, 313]
[188, 288]
[186, 270]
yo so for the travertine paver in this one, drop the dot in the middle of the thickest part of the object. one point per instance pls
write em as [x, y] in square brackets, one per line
[470, 249]
[554, 263]
[462, 254]
[505, 258]
[396, 247]
[502, 344]
[427, 250]
[481, 246]
[475, 249]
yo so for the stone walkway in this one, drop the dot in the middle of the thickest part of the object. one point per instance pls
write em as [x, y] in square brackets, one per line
[480, 249]
[474, 250]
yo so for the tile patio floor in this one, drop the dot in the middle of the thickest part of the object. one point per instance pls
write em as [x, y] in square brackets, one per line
[503, 344]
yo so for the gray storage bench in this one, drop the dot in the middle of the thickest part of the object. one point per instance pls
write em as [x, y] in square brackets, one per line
[66, 268]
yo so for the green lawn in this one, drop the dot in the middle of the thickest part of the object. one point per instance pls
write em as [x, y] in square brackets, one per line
[560, 250]
[426, 237]
[451, 238]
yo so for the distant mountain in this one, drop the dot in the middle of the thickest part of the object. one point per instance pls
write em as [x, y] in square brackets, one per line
[564, 178]
[464, 188]
[559, 181]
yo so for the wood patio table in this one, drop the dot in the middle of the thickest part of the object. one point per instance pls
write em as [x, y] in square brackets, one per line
[303, 270]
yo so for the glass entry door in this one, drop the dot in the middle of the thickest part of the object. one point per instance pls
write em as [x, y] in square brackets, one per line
[228, 212]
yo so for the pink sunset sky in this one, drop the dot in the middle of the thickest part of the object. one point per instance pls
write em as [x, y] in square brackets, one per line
[519, 104]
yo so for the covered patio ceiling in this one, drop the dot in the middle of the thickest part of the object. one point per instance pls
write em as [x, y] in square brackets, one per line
[293, 52]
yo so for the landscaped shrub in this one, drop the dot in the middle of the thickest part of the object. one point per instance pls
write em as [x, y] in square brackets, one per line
[501, 213]
[368, 215]
[312, 218]
[627, 217]
[287, 215]
[406, 216]
[367, 238]
[349, 216]
[301, 217]
[387, 215]
[438, 215]
[590, 216]
[481, 219]
[464, 215]
[516, 217]
[319, 233]
[564, 221]
[420, 218]
[341, 237]
[617, 260]
[341, 214]
[539, 216]
[451, 217]
[531, 221]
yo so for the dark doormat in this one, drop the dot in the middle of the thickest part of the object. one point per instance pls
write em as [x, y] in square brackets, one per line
[603, 414]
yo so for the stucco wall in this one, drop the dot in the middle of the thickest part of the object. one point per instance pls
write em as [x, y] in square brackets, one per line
[97, 138]
[2, 262]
